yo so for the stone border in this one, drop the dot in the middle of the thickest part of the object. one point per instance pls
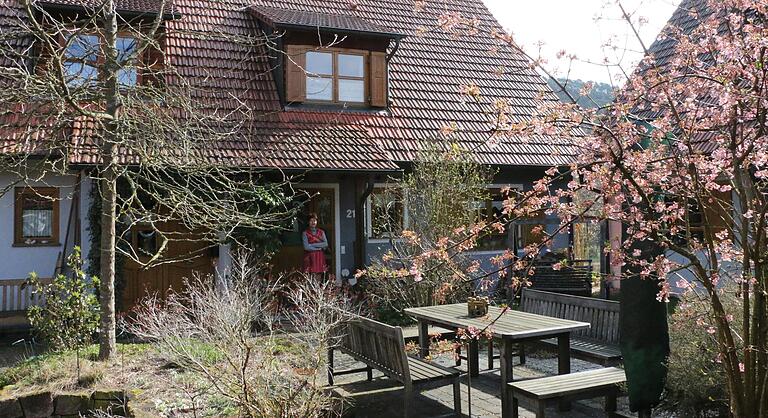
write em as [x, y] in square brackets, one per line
[46, 404]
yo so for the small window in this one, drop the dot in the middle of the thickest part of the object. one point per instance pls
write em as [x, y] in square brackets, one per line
[387, 213]
[36, 216]
[335, 77]
[81, 59]
[127, 76]
[492, 211]
[83, 56]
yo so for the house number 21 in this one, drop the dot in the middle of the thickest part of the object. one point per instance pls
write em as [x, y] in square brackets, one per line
[350, 213]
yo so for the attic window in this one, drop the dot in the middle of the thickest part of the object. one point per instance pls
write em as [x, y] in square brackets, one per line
[335, 76]
[82, 57]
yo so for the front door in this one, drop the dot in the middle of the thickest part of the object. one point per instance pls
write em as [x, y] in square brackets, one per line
[291, 255]
[193, 257]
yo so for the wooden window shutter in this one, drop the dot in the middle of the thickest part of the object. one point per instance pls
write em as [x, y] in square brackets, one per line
[378, 69]
[151, 65]
[295, 77]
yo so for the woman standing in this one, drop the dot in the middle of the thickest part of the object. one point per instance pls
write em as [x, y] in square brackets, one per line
[315, 242]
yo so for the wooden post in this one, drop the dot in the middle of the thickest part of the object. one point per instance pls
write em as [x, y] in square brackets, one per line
[472, 357]
[490, 354]
[423, 338]
[506, 375]
[330, 366]
[564, 362]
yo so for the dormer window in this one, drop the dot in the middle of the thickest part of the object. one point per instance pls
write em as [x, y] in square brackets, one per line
[329, 59]
[352, 77]
[83, 56]
[335, 77]
[81, 60]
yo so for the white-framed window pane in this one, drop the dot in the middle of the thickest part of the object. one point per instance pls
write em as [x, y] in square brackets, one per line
[351, 91]
[78, 74]
[387, 213]
[319, 88]
[37, 223]
[84, 47]
[320, 63]
[127, 77]
[351, 65]
[125, 46]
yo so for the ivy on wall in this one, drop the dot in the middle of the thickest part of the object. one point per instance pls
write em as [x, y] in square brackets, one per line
[94, 252]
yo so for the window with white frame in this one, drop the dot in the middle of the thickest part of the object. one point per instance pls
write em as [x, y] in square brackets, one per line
[387, 215]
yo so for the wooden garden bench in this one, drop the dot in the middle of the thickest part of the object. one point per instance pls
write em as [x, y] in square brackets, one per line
[597, 344]
[381, 346]
[572, 279]
[570, 387]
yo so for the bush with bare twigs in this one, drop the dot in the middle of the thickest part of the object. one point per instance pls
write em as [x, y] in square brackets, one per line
[225, 333]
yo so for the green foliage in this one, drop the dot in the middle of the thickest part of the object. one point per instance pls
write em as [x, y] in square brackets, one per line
[696, 383]
[70, 315]
[37, 372]
[600, 94]
[443, 189]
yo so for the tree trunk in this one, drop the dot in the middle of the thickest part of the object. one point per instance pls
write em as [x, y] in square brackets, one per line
[107, 345]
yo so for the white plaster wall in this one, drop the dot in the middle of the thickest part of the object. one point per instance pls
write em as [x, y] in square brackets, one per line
[18, 262]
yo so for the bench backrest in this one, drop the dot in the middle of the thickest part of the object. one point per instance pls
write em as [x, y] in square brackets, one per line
[602, 314]
[576, 277]
[378, 345]
[14, 296]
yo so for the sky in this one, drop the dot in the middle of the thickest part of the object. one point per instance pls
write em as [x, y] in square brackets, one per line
[582, 28]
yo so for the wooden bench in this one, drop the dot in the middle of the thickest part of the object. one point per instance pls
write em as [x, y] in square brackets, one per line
[597, 344]
[570, 387]
[572, 279]
[381, 346]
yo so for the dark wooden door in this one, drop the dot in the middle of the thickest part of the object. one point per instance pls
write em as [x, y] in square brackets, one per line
[291, 254]
[191, 257]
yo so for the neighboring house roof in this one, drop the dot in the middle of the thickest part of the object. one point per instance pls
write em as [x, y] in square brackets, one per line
[686, 18]
[426, 76]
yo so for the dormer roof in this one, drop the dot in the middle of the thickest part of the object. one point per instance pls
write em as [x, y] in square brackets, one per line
[279, 18]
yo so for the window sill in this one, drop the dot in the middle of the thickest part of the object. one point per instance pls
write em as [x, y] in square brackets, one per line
[336, 108]
[384, 240]
[25, 245]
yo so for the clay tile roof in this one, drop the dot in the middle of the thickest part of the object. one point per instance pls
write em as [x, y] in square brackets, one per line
[686, 18]
[290, 18]
[426, 76]
[122, 6]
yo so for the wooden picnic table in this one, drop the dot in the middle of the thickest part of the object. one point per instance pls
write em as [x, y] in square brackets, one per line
[510, 326]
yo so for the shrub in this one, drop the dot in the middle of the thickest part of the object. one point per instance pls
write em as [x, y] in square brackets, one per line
[430, 260]
[696, 383]
[224, 334]
[70, 315]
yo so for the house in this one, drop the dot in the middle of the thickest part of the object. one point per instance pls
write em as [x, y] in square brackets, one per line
[703, 128]
[381, 77]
